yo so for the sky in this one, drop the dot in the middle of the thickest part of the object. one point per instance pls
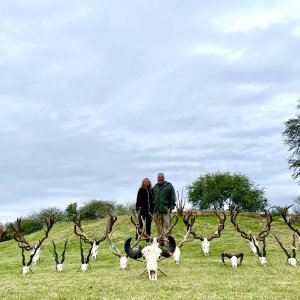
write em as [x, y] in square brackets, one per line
[97, 95]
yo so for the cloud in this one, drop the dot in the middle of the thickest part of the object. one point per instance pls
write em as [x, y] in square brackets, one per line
[96, 96]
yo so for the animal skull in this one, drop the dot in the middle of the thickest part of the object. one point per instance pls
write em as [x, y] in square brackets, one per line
[292, 261]
[262, 260]
[84, 267]
[59, 267]
[205, 246]
[252, 245]
[151, 254]
[25, 270]
[36, 256]
[176, 255]
[123, 262]
[94, 250]
[234, 261]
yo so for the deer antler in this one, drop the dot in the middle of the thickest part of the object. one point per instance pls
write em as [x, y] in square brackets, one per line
[215, 235]
[288, 221]
[49, 224]
[2, 231]
[220, 226]
[110, 223]
[80, 233]
[172, 222]
[264, 233]
[19, 237]
[261, 235]
[186, 237]
[234, 214]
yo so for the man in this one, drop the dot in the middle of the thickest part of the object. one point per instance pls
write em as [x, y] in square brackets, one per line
[164, 202]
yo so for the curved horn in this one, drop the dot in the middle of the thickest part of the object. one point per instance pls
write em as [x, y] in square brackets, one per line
[171, 249]
[225, 254]
[135, 254]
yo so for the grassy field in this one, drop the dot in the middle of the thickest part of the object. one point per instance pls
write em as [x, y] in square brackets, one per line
[196, 277]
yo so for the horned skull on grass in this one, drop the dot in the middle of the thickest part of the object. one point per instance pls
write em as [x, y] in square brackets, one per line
[233, 258]
[189, 221]
[151, 254]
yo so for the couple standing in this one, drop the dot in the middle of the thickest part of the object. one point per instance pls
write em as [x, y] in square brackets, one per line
[159, 200]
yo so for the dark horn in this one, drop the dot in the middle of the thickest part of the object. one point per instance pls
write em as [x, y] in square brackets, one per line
[171, 249]
[132, 253]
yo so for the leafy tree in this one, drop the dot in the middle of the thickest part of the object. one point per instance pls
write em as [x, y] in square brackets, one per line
[71, 211]
[124, 209]
[218, 190]
[40, 216]
[96, 209]
[296, 207]
[276, 210]
[292, 140]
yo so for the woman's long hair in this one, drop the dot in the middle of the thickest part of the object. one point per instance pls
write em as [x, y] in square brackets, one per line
[142, 184]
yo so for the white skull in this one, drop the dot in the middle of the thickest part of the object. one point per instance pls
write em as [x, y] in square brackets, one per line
[292, 261]
[84, 267]
[234, 261]
[94, 250]
[252, 246]
[205, 246]
[36, 257]
[25, 270]
[59, 267]
[151, 254]
[176, 255]
[123, 262]
[262, 260]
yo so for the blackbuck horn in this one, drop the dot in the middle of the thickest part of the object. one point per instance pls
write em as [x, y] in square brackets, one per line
[288, 221]
[64, 252]
[55, 253]
[84, 262]
[26, 267]
[261, 254]
[291, 257]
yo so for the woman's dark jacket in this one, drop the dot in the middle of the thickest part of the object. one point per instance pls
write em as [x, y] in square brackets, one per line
[144, 200]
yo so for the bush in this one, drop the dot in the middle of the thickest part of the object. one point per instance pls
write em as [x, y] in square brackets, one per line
[96, 209]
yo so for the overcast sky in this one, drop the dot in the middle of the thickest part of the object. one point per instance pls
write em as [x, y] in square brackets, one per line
[97, 95]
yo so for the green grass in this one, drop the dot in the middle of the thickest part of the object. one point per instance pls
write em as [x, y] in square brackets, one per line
[196, 277]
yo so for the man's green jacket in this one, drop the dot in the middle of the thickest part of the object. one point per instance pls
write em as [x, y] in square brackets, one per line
[164, 197]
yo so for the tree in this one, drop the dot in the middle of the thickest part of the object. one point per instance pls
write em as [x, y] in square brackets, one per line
[296, 207]
[96, 209]
[218, 190]
[71, 211]
[292, 140]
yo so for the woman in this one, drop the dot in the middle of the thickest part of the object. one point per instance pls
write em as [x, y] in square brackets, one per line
[144, 203]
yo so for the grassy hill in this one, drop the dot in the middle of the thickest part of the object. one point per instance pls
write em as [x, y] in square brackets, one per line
[196, 277]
